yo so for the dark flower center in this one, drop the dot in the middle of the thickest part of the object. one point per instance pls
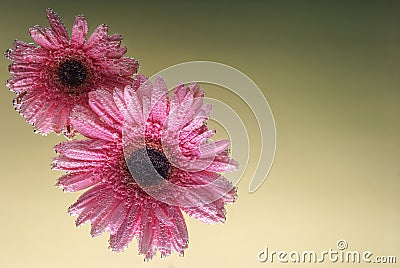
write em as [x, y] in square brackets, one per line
[72, 73]
[147, 165]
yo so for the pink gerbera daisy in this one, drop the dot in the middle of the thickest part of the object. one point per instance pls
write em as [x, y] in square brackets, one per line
[52, 78]
[147, 158]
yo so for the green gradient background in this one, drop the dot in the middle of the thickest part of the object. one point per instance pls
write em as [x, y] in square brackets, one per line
[330, 71]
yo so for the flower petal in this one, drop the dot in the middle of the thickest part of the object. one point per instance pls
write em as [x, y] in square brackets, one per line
[179, 232]
[44, 37]
[85, 200]
[102, 103]
[19, 85]
[43, 120]
[57, 26]
[159, 101]
[210, 213]
[31, 104]
[79, 31]
[77, 181]
[102, 223]
[61, 121]
[26, 53]
[118, 217]
[69, 164]
[121, 66]
[164, 239]
[89, 125]
[98, 35]
[126, 232]
[213, 148]
[146, 234]
[81, 150]
[223, 164]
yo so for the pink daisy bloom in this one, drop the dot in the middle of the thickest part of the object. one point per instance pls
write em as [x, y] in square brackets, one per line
[52, 78]
[147, 158]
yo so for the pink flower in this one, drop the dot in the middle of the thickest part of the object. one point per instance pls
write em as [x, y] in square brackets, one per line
[147, 158]
[54, 77]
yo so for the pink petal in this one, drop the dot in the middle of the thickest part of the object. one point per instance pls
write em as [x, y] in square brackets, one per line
[139, 80]
[179, 232]
[21, 84]
[213, 148]
[219, 188]
[143, 92]
[102, 103]
[134, 112]
[89, 125]
[44, 38]
[159, 100]
[98, 35]
[197, 121]
[199, 137]
[74, 182]
[118, 217]
[61, 121]
[223, 164]
[27, 53]
[184, 108]
[110, 82]
[146, 234]
[23, 67]
[43, 122]
[163, 215]
[103, 208]
[119, 99]
[126, 232]
[79, 31]
[81, 150]
[164, 239]
[32, 102]
[105, 46]
[116, 52]
[203, 187]
[85, 215]
[85, 200]
[102, 198]
[65, 163]
[179, 95]
[101, 224]
[122, 66]
[57, 26]
[210, 213]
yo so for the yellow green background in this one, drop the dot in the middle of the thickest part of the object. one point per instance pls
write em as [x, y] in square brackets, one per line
[330, 71]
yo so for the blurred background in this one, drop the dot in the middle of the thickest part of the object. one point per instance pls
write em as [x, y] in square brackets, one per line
[330, 72]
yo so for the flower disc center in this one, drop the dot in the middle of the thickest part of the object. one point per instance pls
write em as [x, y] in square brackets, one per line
[146, 165]
[72, 73]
